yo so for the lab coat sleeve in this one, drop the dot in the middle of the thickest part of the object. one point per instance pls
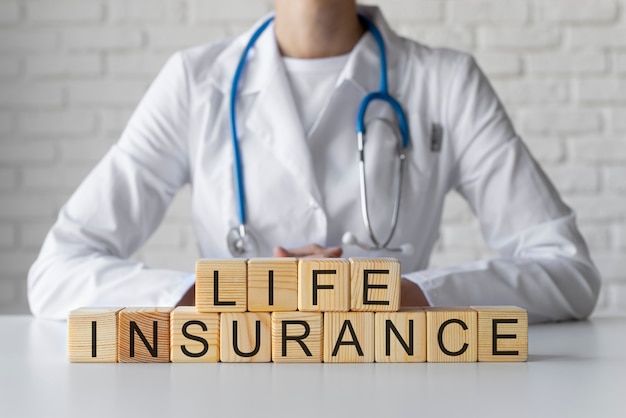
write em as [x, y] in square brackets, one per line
[543, 265]
[83, 261]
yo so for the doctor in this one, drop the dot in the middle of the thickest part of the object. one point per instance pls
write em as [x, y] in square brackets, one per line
[296, 104]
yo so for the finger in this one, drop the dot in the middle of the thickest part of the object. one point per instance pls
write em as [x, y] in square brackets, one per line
[281, 252]
[333, 252]
[305, 251]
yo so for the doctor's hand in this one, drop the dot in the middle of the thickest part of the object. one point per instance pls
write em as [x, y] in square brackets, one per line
[189, 298]
[310, 251]
[411, 294]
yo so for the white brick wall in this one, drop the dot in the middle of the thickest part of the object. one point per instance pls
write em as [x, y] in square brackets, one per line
[64, 11]
[72, 71]
[9, 12]
[563, 63]
[577, 11]
[488, 12]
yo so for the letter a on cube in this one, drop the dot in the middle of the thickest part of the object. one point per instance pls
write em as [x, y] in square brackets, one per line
[348, 337]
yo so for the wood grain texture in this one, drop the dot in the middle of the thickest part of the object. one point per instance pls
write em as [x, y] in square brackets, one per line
[252, 341]
[134, 322]
[272, 284]
[204, 328]
[231, 277]
[325, 272]
[510, 324]
[409, 344]
[349, 337]
[307, 327]
[86, 323]
[457, 344]
[375, 284]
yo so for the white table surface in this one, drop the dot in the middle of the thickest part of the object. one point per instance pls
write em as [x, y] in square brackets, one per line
[575, 369]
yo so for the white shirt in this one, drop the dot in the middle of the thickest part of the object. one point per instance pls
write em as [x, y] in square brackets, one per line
[301, 191]
[312, 82]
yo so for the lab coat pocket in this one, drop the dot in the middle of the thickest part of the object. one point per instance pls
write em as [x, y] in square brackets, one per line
[423, 161]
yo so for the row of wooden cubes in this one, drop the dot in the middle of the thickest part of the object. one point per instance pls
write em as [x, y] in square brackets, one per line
[463, 334]
[289, 284]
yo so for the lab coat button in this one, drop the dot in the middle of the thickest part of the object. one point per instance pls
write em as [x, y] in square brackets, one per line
[313, 205]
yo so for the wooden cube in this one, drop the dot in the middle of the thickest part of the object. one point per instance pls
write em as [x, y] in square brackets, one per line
[297, 337]
[375, 284]
[92, 335]
[324, 285]
[195, 336]
[144, 335]
[452, 335]
[401, 336]
[245, 337]
[348, 337]
[272, 284]
[502, 333]
[221, 285]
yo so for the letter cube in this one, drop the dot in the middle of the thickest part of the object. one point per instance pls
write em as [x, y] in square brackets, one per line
[401, 336]
[195, 336]
[272, 284]
[324, 285]
[502, 333]
[221, 285]
[297, 337]
[144, 335]
[348, 337]
[92, 335]
[245, 337]
[375, 284]
[452, 335]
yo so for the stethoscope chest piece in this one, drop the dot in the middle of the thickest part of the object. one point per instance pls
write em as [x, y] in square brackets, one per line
[241, 243]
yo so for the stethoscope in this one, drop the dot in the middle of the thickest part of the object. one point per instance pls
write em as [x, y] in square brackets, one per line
[241, 243]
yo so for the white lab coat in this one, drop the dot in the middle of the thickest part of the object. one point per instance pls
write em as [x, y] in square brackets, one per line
[303, 190]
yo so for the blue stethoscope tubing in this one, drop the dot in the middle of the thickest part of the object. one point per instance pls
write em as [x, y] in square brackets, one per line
[241, 198]
[383, 90]
[239, 240]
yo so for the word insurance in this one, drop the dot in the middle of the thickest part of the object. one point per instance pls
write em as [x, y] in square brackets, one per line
[287, 310]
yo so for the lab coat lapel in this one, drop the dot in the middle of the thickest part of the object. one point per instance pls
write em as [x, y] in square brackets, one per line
[273, 117]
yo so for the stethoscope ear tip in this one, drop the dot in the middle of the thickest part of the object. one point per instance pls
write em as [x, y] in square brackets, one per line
[407, 249]
[349, 239]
